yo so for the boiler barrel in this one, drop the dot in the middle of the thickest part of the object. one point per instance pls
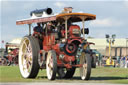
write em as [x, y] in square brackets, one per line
[40, 11]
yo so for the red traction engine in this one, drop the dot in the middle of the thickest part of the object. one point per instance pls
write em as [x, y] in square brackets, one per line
[59, 48]
[12, 51]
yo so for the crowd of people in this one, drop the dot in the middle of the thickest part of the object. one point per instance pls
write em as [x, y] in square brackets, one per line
[121, 62]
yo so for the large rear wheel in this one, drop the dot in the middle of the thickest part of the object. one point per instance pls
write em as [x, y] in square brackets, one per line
[85, 70]
[51, 65]
[28, 57]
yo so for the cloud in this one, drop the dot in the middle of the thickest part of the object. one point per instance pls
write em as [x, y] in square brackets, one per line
[126, 3]
[6, 5]
[106, 22]
[59, 4]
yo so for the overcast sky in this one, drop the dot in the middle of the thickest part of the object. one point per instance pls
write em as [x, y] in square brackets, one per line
[111, 16]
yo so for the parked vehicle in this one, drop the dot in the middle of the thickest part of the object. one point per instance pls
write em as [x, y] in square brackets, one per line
[11, 53]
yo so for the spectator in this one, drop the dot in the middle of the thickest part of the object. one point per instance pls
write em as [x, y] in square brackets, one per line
[121, 62]
[104, 60]
[126, 61]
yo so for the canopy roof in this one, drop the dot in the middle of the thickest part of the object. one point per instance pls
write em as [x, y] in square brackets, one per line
[36, 20]
[74, 17]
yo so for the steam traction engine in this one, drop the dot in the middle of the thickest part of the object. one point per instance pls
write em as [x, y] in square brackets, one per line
[59, 47]
[12, 51]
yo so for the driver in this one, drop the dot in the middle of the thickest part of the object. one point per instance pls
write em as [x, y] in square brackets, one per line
[38, 33]
[38, 28]
[50, 27]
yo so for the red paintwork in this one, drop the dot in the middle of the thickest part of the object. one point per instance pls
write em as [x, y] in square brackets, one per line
[79, 39]
[79, 65]
[69, 66]
[49, 44]
[63, 33]
[69, 50]
[68, 58]
[48, 41]
[71, 28]
[13, 56]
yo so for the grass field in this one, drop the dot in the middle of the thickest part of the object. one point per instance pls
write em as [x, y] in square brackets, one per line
[99, 75]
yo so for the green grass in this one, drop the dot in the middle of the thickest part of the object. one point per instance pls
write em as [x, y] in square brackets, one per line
[99, 75]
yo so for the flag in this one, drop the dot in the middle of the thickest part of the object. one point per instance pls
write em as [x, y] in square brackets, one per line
[2, 41]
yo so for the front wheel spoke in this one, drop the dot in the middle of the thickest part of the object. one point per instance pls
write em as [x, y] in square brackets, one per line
[51, 70]
[85, 66]
[84, 71]
[51, 63]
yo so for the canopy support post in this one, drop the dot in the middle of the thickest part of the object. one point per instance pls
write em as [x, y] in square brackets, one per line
[66, 28]
[83, 18]
[29, 29]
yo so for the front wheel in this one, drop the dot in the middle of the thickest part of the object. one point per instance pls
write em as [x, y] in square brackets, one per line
[85, 70]
[51, 65]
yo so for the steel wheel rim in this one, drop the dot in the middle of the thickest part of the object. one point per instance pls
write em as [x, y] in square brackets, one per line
[84, 67]
[84, 71]
[25, 57]
[49, 66]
